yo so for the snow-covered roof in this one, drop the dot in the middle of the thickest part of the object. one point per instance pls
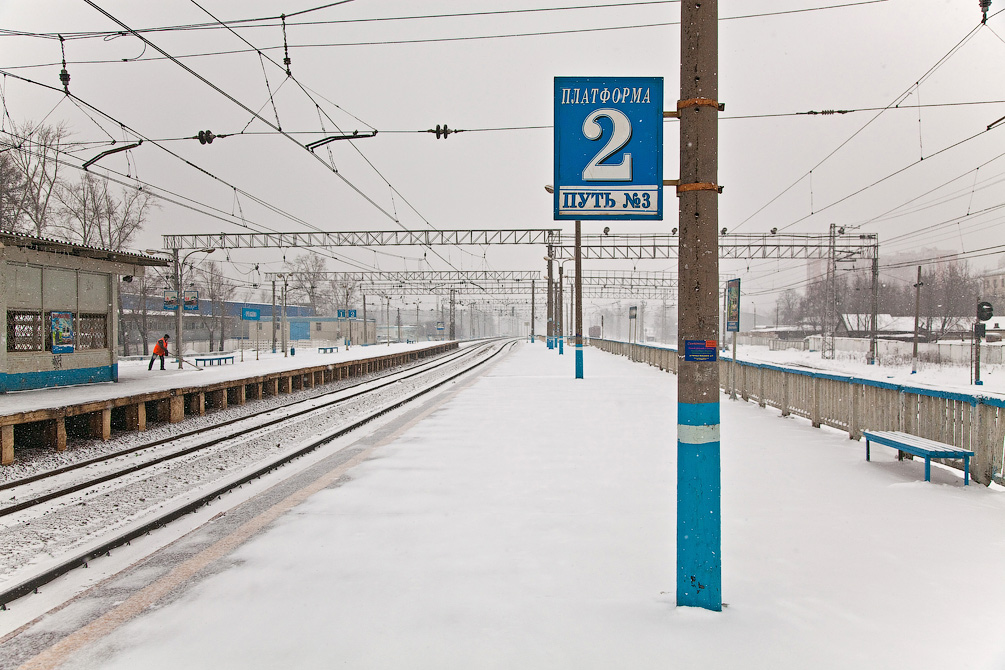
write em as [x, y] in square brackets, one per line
[52, 245]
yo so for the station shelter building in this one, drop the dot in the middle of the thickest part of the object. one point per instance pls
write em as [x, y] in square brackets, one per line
[59, 302]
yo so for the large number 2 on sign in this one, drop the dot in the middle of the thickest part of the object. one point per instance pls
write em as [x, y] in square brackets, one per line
[619, 138]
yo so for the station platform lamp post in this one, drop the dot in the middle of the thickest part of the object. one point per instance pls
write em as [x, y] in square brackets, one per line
[178, 263]
[578, 294]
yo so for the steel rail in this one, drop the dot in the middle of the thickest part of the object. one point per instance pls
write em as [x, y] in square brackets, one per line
[80, 560]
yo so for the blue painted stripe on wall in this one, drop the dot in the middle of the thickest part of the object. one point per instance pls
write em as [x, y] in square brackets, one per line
[37, 380]
[699, 526]
[698, 414]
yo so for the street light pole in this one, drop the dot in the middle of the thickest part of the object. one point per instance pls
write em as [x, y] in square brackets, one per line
[180, 301]
[179, 305]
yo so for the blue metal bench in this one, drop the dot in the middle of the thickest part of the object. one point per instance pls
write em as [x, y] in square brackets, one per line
[919, 446]
[327, 350]
[214, 360]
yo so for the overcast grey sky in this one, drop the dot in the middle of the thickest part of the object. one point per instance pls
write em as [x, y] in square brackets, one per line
[403, 76]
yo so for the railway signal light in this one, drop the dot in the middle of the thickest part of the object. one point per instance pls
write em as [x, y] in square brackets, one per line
[984, 311]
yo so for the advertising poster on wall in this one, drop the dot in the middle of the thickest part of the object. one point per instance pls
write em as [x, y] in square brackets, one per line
[170, 300]
[62, 332]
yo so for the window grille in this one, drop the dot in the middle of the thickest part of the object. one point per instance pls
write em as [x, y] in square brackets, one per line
[92, 331]
[25, 331]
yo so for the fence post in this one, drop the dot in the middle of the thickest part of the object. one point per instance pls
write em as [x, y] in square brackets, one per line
[815, 412]
[785, 393]
[760, 393]
[854, 430]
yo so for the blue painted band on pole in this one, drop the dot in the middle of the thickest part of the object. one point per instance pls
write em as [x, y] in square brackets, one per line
[699, 535]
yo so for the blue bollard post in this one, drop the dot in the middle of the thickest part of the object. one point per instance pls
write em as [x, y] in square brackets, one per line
[561, 346]
[579, 361]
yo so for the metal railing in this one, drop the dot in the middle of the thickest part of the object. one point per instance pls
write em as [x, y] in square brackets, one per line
[972, 421]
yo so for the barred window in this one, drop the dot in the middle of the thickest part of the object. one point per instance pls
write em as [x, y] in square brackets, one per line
[25, 331]
[317, 326]
[92, 331]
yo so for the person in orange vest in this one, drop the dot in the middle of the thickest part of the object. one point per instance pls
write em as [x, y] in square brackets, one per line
[160, 350]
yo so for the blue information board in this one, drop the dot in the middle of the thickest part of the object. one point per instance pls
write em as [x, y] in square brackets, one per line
[700, 350]
[609, 148]
[251, 314]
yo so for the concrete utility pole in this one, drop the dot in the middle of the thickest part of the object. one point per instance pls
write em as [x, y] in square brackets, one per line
[453, 314]
[273, 316]
[559, 313]
[551, 301]
[917, 318]
[532, 311]
[699, 542]
[579, 302]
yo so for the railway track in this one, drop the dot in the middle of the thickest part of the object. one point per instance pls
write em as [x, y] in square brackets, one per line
[175, 476]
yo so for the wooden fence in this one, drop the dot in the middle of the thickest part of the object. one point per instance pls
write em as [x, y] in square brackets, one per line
[969, 420]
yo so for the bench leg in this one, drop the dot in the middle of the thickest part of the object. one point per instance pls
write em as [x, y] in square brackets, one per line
[928, 468]
[966, 470]
[867, 450]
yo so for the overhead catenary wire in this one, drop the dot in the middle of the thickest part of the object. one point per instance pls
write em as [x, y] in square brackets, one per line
[894, 103]
[393, 216]
[434, 40]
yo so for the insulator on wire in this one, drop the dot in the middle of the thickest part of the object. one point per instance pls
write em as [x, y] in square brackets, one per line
[985, 6]
[64, 76]
[206, 137]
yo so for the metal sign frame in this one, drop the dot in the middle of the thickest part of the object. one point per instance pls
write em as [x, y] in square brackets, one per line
[608, 148]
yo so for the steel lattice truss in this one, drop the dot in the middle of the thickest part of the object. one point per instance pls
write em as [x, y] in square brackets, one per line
[391, 238]
[406, 276]
[614, 285]
[612, 247]
[745, 247]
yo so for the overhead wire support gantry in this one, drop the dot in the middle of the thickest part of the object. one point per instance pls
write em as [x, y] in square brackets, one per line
[622, 246]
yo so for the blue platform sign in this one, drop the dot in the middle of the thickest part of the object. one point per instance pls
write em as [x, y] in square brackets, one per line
[609, 148]
[251, 314]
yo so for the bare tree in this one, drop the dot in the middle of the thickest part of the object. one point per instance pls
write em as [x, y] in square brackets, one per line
[308, 284]
[219, 289]
[12, 188]
[36, 155]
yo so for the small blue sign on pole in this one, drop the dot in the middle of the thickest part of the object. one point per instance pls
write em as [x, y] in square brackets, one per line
[352, 314]
[609, 148]
[341, 313]
[251, 314]
[700, 350]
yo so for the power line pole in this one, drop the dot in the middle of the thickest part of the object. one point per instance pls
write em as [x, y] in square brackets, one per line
[551, 301]
[917, 318]
[532, 311]
[578, 298]
[699, 534]
[830, 300]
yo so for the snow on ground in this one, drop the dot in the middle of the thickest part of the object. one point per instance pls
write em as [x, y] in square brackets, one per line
[134, 378]
[529, 523]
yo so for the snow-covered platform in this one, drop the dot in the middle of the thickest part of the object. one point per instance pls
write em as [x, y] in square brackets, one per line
[170, 394]
[526, 520]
